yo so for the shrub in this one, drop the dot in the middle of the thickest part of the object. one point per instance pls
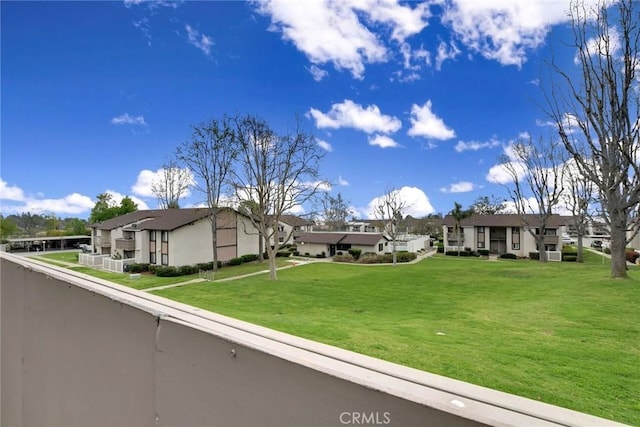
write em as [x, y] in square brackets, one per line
[483, 252]
[508, 256]
[455, 253]
[344, 258]
[234, 261]
[607, 251]
[406, 256]
[306, 254]
[368, 258]
[355, 253]
[249, 257]
[631, 255]
[153, 268]
[282, 254]
[296, 253]
[569, 258]
[166, 271]
[137, 268]
[185, 270]
[321, 255]
[205, 266]
[534, 255]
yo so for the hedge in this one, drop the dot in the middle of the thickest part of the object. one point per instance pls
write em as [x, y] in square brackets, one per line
[508, 256]
[534, 255]
[234, 261]
[483, 252]
[344, 258]
[355, 253]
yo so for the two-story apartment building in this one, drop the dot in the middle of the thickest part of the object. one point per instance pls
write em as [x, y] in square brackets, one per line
[330, 243]
[174, 236]
[290, 227]
[503, 233]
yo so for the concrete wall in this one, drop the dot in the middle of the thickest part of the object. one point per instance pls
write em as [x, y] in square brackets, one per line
[80, 351]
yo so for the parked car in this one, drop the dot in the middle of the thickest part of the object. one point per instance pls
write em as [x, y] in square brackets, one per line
[596, 244]
[568, 240]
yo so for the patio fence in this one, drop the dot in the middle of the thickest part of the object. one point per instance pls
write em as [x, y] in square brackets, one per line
[91, 260]
[116, 265]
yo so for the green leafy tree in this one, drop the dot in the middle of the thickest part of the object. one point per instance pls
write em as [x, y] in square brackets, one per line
[459, 214]
[8, 228]
[76, 227]
[106, 208]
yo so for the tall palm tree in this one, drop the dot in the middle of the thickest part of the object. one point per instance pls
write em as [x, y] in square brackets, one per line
[459, 214]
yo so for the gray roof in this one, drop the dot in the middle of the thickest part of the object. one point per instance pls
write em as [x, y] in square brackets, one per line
[366, 239]
[294, 221]
[504, 220]
[156, 219]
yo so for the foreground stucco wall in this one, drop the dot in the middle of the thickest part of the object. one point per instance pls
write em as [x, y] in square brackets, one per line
[82, 352]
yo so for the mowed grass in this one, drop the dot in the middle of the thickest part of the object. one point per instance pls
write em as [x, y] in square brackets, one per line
[561, 333]
[148, 280]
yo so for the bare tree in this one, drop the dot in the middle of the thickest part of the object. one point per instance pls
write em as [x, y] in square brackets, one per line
[485, 205]
[210, 155]
[536, 170]
[597, 112]
[335, 211]
[171, 184]
[275, 173]
[390, 208]
[578, 197]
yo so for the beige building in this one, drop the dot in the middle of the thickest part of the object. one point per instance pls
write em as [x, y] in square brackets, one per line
[503, 233]
[330, 243]
[290, 227]
[174, 236]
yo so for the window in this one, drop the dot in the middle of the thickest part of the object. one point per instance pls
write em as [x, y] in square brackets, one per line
[516, 230]
[480, 245]
[165, 259]
[449, 230]
[152, 235]
[281, 228]
[480, 229]
[380, 247]
[152, 257]
[165, 236]
[515, 246]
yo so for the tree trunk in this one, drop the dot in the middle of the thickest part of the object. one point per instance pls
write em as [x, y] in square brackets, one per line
[214, 239]
[580, 256]
[618, 258]
[541, 248]
[395, 253]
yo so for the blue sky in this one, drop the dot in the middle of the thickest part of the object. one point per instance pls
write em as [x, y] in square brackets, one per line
[422, 97]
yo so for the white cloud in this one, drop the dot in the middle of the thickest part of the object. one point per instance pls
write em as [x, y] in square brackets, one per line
[12, 192]
[459, 187]
[348, 114]
[426, 124]
[603, 46]
[324, 145]
[200, 41]
[117, 198]
[336, 32]
[445, 53]
[383, 141]
[418, 204]
[146, 178]
[317, 73]
[342, 181]
[475, 145]
[500, 174]
[504, 30]
[126, 119]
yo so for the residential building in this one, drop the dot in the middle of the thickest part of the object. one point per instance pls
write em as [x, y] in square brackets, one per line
[503, 233]
[174, 236]
[330, 243]
[290, 227]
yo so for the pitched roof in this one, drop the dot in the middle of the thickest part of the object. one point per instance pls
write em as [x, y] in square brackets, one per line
[504, 220]
[126, 219]
[294, 221]
[154, 219]
[333, 238]
[174, 218]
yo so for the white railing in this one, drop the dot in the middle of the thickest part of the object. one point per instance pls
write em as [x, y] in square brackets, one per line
[116, 265]
[91, 260]
[554, 256]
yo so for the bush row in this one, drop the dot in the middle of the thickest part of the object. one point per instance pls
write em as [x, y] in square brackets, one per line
[184, 270]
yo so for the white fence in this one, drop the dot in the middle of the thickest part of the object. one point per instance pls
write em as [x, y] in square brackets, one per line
[116, 265]
[91, 260]
[554, 256]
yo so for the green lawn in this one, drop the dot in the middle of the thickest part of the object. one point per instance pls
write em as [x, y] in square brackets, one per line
[149, 280]
[562, 333]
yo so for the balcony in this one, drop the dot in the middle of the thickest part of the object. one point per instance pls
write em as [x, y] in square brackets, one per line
[104, 243]
[126, 244]
[551, 240]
